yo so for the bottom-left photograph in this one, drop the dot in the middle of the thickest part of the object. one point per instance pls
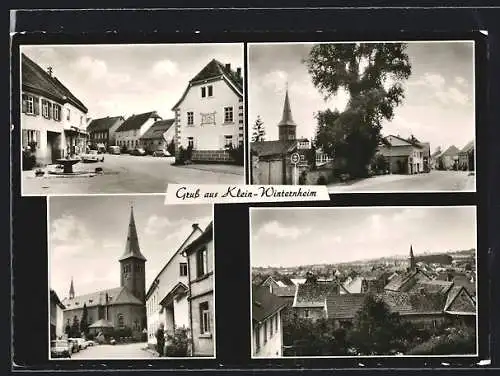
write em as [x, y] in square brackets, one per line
[130, 278]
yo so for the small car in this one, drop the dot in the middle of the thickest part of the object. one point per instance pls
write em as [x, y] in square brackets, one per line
[92, 156]
[82, 343]
[114, 150]
[90, 343]
[138, 151]
[161, 152]
[60, 348]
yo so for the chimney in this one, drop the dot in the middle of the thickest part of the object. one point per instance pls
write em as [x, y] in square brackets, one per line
[195, 226]
[238, 72]
[228, 67]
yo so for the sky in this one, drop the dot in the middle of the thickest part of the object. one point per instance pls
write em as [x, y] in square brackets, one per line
[305, 236]
[113, 80]
[87, 236]
[439, 103]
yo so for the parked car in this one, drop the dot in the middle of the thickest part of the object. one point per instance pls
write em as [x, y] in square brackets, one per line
[74, 345]
[92, 156]
[114, 150]
[161, 152]
[138, 151]
[60, 348]
[82, 343]
[91, 343]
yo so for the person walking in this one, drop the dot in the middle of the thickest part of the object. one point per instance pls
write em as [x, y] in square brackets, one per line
[160, 340]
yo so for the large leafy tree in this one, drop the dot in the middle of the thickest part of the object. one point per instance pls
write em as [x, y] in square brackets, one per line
[378, 331]
[372, 74]
[75, 327]
[259, 132]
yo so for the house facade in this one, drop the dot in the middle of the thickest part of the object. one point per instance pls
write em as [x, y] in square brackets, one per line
[448, 160]
[128, 134]
[267, 325]
[159, 135]
[53, 120]
[56, 316]
[167, 297]
[124, 306]
[200, 256]
[405, 156]
[102, 131]
[466, 157]
[209, 117]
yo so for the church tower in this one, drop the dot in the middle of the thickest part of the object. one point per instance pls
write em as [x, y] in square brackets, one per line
[132, 263]
[413, 264]
[71, 290]
[287, 127]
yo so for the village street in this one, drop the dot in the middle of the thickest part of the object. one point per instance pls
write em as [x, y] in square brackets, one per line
[426, 182]
[130, 174]
[122, 351]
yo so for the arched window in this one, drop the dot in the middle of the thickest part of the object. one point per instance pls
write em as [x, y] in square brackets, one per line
[121, 321]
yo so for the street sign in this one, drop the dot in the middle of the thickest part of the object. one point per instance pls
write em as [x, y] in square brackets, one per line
[295, 158]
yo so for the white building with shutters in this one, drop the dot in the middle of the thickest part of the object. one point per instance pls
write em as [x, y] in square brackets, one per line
[53, 120]
[209, 116]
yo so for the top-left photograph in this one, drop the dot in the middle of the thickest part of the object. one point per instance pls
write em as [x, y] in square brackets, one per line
[110, 119]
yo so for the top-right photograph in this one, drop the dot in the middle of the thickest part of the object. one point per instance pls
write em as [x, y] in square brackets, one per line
[363, 117]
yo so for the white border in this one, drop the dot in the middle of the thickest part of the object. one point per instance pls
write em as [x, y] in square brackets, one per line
[50, 359]
[277, 208]
[19, 111]
[333, 191]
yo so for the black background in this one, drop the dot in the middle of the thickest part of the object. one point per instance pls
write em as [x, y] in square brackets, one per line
[29, 247]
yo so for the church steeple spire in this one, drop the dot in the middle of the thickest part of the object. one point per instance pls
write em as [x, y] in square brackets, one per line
[71, 290]
[132, 249]
[413, 264]
[287, 126]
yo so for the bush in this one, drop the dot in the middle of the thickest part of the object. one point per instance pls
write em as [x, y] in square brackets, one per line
[123, 149]
[458, 342]
[171, 147]
[29, 160]
[303, 178]
[178, 344]
[237, 154]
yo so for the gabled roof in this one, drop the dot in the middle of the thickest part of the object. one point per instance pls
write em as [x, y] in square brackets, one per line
[55, 299]
[265, 304]
[287, 291]
[344, 306]
[468, 147]
[450, 152]
[179, 289]
[463, 280]
[354, 286]
[204, 238]
[398, 283]
[158, 129]
[433, 286]
[409, 142]
[35, 78]
[215, 69]
[314, 294]
[277, 147]
[136, 121]
[118, 295]
[414, 303]
[103, 124]
[459, 301]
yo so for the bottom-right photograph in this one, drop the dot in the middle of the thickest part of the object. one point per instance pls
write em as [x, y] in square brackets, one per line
[363, 281]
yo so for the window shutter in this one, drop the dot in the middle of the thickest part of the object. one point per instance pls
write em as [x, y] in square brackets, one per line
[24, 103]
[49, 105]
[36, 105]
[25, 138]
[38, 139]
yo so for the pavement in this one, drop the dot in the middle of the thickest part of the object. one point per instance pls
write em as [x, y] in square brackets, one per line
[129, 174]
[118, 351]
[434, 181]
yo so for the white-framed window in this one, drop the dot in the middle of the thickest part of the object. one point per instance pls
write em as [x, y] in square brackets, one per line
[202, 262]
[183, 269]
[31, 137]
[190, 118]
[228, 114]
[228, 141]
[204, 318]
[57, 112]
[30, 105]
[210, 91]
[121, 321]
[45, 109]
[203, 91]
